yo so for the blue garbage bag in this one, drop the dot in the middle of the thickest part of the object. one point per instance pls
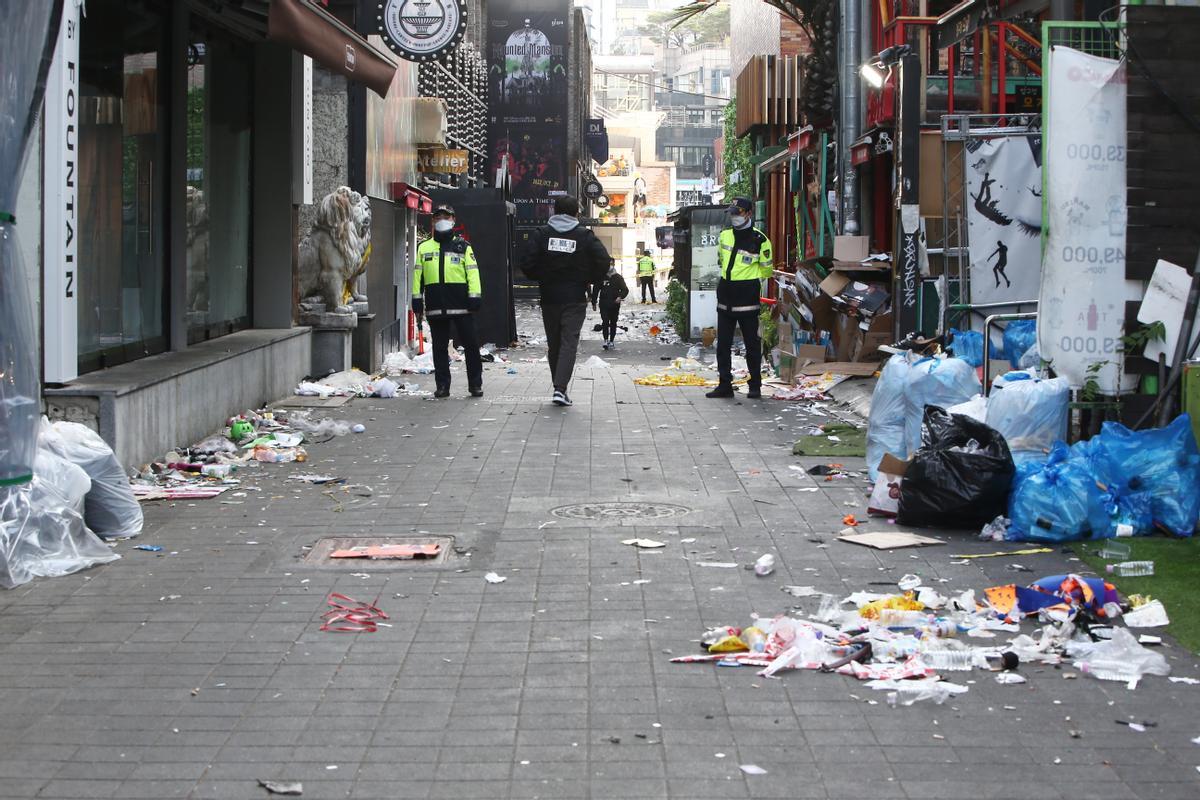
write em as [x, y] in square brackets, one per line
[968, 345]
[1019, 336]
[885, 425]
[935, 381]
[1165, 462]
[1030, 413]
[1112, 512]
[1049, 502]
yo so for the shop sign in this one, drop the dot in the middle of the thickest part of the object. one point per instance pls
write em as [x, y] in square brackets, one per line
[60, 215]
[441, 161]
[421, 30]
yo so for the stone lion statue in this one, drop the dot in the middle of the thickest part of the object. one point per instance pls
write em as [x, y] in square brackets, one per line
[333, 254]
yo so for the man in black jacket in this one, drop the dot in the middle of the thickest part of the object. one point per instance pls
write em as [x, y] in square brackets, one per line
[565, 260]
[610, 294]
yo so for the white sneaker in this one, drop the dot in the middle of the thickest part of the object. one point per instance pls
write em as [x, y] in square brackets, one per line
[561, 399]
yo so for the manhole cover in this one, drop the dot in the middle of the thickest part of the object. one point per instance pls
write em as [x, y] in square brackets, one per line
[386, 552]
[619, 511]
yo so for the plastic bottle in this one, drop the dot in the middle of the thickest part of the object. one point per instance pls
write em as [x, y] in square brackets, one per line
[941, 629]
[950, 660]
[764, 566]
[755, 639]
[217, 470]
[1131, 569]
[1108, 670]
[895, 618]
[1113, 549]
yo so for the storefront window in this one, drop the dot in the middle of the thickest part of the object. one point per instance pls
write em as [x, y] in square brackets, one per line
[121, 159]
[219, 116]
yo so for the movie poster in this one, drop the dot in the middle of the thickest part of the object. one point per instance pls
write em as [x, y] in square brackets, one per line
[527, 74]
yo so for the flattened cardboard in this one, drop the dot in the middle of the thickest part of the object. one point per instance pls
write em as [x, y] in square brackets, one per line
[810, 354]
[851, 248]
[841, 368]
[889, 540]
[891, 465]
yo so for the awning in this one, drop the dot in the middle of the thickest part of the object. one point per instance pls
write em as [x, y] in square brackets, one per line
[412, 197]
[310, 29]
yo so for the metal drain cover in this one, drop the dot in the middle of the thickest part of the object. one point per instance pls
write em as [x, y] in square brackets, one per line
[602, 511]
[321, 554]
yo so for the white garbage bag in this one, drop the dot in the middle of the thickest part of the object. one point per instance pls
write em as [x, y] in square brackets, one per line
[110, 508]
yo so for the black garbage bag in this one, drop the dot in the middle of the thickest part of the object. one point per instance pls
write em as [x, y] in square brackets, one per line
[960, 476]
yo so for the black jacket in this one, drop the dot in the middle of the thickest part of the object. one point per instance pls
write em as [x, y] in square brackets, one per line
[565, 260]
[612, 290]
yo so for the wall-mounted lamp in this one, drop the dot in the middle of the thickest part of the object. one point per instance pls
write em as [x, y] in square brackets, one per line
[876, 71]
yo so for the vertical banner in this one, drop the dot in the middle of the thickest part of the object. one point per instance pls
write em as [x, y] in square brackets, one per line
[1004, 218]
[527, 85]
[1081, 306]
[60, 206]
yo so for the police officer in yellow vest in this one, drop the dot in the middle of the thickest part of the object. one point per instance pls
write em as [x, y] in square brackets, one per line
[446, 290]
[645, 266]
[745, 259]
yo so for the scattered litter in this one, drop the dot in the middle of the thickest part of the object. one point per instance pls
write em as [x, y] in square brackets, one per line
[645, 544]
[1148, 615]
[765, 565]
[149, 548]
[753, 769]
[1031, 551]
[800, 591]
[492, 577]
[1187, 681]
[718, 564]
[596, 362]
[281, 787]
[1009, 678]
[347, 615]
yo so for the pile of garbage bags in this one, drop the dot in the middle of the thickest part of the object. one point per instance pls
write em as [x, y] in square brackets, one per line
[906, 385]
[1118, 483]
[53, 525]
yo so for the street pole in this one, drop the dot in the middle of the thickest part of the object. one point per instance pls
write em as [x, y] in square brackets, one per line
[906, 299]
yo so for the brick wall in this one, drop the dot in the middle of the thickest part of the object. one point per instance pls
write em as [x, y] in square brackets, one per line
[754, 30]
[793, 41]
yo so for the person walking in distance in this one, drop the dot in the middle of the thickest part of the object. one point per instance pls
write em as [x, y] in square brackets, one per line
[745, 259]
[566, 261]
[446, 290]
[610, 293]
[645, 266]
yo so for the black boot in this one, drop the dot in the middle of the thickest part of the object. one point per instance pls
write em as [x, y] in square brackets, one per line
[441, 391]
[722, 390]
[754, 392]
[477, 391]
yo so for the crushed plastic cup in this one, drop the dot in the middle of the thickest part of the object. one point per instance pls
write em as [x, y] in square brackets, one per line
[909, 582]
[765, 565]
[1114, 551]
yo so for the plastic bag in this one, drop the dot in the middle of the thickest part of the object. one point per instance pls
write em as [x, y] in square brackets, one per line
[968, 345]
[941, 382]
[1050, 502]
[1019, 336]
[110, 508]
[1123, 652]
[885, 425]
[1030, 414]
[385, 388]
[1165, 462]
[42, 532]
[1115, 513]
[301, 421]
[975, 408]
[944, 486]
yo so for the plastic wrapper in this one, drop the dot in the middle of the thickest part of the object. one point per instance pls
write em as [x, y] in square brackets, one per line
[1031, 414]
[399, 363]
[26, 43]
[885, 425]
[110, 508]
[935, 381]
[1050, 502]
[42, 532]
[968, 345]
[1019, 336]
[1165, 462]
[959, 477]
[1122, 649]
[301, 421]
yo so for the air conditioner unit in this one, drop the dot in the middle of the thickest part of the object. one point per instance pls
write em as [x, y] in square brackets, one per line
[430, 121]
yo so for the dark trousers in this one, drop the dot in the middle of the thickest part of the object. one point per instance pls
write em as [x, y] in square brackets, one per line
[464, 336]
[563, 323]
[608, 321]
[647, 282]
[726, 323]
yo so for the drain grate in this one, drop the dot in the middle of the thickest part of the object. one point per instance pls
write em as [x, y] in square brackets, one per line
[603, 511]
[321, 554]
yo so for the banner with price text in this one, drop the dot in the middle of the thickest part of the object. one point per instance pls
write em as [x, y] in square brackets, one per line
[1081, 305]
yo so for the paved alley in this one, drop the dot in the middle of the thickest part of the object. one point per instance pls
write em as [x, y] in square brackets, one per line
[198, 671]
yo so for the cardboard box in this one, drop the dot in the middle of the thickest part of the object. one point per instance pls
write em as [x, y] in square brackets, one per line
[810, 354]
[878, 334]
[851, 248]
[787, 366]
[855, 297]
[891, 465]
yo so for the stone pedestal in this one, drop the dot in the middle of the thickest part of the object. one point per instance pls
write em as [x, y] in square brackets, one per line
[365, 355]
[332, 339]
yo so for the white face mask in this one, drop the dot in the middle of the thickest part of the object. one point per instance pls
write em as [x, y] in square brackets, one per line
[444, 225]
[740, 221]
